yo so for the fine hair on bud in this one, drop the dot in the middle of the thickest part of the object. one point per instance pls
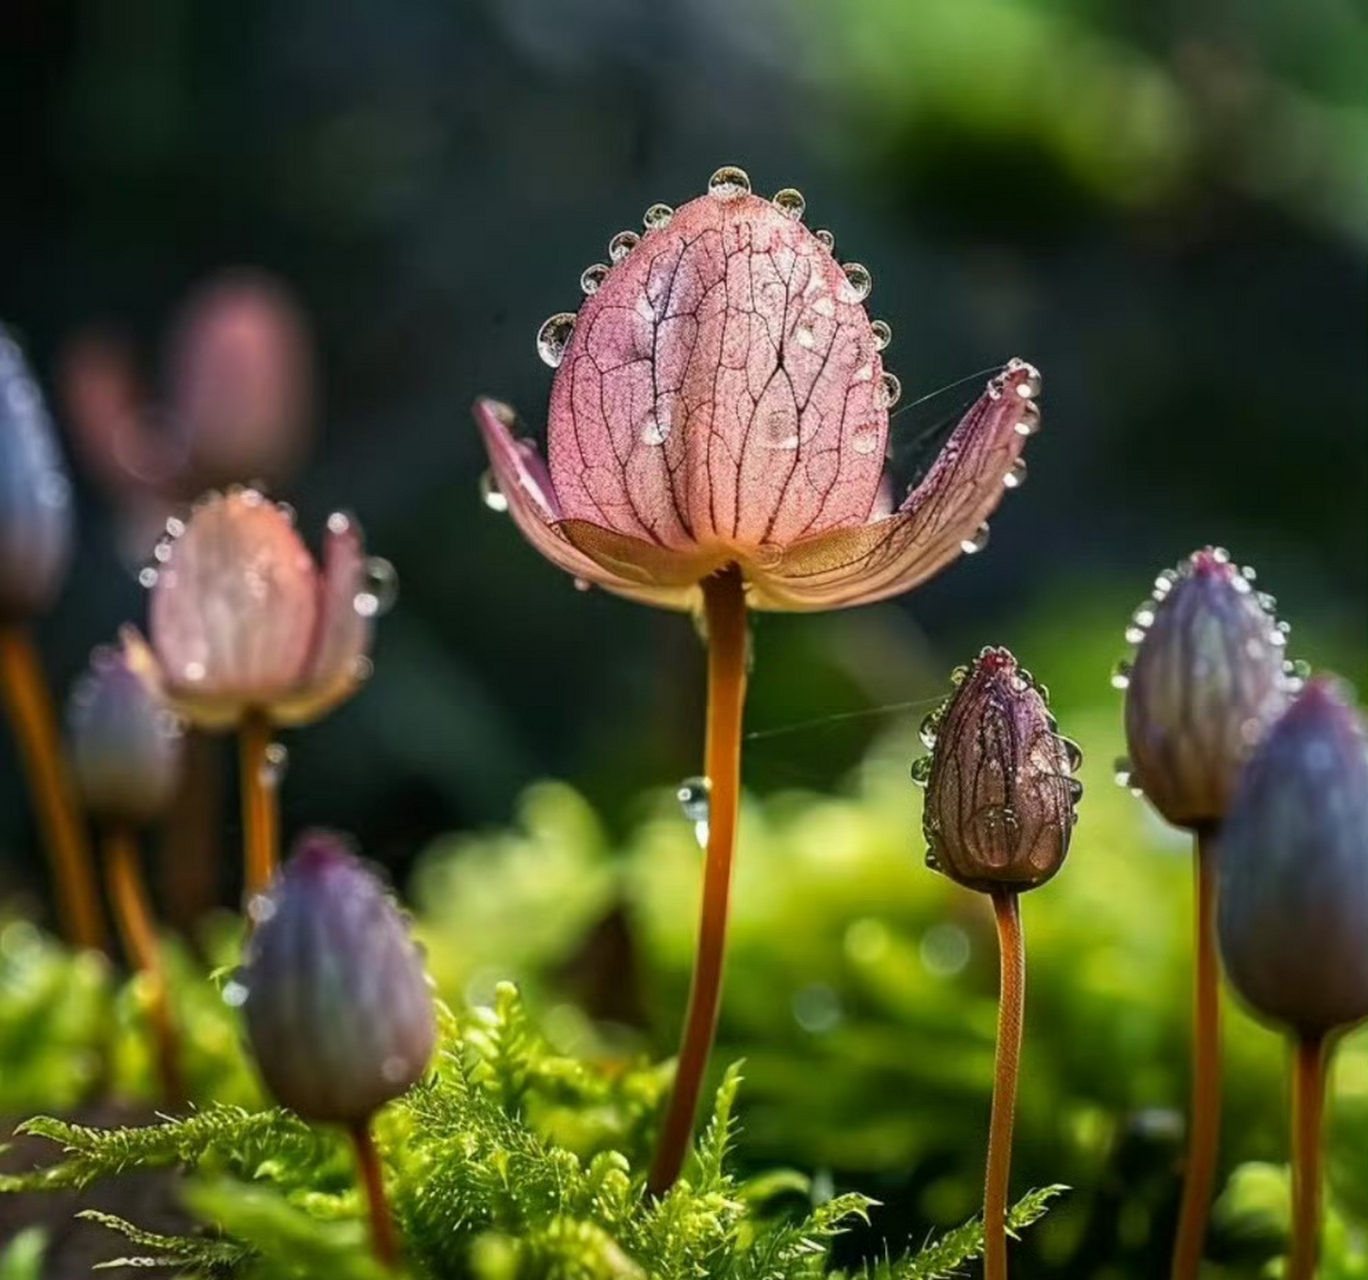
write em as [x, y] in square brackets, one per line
[1000, 790]
[1293, 860]
[1207, 679]
[338, 1007]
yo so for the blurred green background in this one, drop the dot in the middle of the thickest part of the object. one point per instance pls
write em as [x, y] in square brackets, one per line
[1165, 207]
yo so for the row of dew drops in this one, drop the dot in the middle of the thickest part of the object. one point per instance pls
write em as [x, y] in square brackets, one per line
[1295, 670]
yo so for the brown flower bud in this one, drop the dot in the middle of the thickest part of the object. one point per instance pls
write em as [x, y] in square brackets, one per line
[1000, 790]
[1208, 677]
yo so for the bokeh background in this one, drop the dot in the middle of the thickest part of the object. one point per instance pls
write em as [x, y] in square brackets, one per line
[1164, 207]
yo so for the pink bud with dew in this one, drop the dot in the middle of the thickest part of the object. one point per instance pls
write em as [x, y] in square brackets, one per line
[244, 620]
[721, 399]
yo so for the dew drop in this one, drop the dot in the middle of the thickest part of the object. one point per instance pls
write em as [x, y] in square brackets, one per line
[883, 334]
[339, 522]
[729, 183]
[1121, 771]
[826, 239]
[193, 672]
[1134, 634]
[362, 668]
[622, 244]
[1073, 753]
[1163, 584]
[148, 577]
[959, 675]
[490, 493]
[1267, 602]
[921, 770]
[971, 546]
[175, 526]
[260, 908]
[592, 276]
[1016, 477]
[928, 730]
[804, 337]
[789, 202]
[657, 217]
[858, 282]
[379, 590]
[1122, 675]
[865, 439]
[554, 336]
[274, 765]
[890, 389]
[1029, 422]
[655, 429]
[234, 994]
[583, 584]
[693, 795]
[1143, 617]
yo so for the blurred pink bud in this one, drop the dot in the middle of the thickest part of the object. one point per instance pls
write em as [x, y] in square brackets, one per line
[240, 381]
[243, 619]
[721, 399]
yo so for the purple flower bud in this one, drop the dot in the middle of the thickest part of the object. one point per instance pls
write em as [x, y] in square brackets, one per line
[125, 743]
[35, 495]
[1000, 791]
[339, 1011]
[1207, 680]
[1293, 859]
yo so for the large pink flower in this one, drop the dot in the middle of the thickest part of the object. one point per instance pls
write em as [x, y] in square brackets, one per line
[244, 621]
[721, 400]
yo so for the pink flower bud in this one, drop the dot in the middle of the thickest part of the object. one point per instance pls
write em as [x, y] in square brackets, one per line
[1207, 680]
[339, 1011]
[35, 495]
[125, 743]
[242, 618]
[721, 399]
[1293, 864]
[1000, 791]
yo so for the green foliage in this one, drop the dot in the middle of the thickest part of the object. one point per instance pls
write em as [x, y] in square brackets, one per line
[22, 1258]
[478, 1187]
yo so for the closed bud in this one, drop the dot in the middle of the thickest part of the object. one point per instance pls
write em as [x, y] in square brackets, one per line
[35, 495]
[1207, 680]
[338, 1008]
[125, 743]
[1000, 791]
[1293, 858]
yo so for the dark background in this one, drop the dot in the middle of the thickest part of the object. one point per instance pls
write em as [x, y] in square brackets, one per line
[1162, 206]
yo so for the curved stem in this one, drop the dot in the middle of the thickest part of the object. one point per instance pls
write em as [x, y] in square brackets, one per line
[1011, 1011]
[260, 815]
[383, 1238]
[133, 915]
[1204, 1121]
[724, 603]
[35, 727]
[1308, 1106]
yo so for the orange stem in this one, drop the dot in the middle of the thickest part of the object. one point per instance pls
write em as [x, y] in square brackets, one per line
[30, 710]
[1204, 1123]
[1308, 1107]
[724, 604]
[1011, 1012]
[260, 815]
[133, 915]
[383, 1238]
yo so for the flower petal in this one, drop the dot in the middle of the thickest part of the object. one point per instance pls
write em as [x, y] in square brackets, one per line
[892, 555]
[590, 553]
[722, 385]
[203, 712]
[343, 633]
[233, 610]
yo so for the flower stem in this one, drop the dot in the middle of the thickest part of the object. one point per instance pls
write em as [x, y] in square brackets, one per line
[1204, 1122]
[30, 711]
[1308, 1106]
[1011, 1011]
[383, 1238]
[260, 815]
[724, 603]
[133, 915]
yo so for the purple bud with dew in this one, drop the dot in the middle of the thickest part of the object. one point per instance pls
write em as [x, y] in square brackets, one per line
[1293, 862]
[35, 495]
[339, 1010]
[1208, 678]
[126, 745]
[1000, 790]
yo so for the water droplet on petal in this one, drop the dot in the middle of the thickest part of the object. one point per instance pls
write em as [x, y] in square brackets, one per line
[1267, 603]
[234, 994]
[260, 908]
[789, 202]
[959, 675]
[274, 765]
[583, 584]
[1134, 634]
[193, 672]
[890, 389]
[971, 546]
[554, 336]
[622, 244]
[1016, 477]
[883, 334]
[1121, 771]
[1029, 422]
[729, 182]
[864, 440]
[826, 239]
[858, 282]
[1121, 676]
[490, 493]
[657, 217]
[930, 726]
[693, 796]
[592, 276]
[148, 577]
[921, 770]
[379, 590]
[654, 429]
[1073, 753]
[362, 668]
